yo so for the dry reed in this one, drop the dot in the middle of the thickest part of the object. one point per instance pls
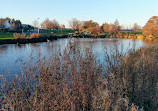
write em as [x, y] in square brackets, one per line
[77, 81]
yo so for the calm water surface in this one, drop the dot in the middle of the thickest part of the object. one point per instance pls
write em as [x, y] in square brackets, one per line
[13, 56]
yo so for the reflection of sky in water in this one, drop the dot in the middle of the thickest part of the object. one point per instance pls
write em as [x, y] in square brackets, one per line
[12, 56]
[100, 46]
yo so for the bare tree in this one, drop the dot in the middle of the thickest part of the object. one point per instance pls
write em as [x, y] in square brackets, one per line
[115, 27]
[74, 24]
[35, 23]
[55, 24]
[136, 27]
[47, 24]
[50, 24]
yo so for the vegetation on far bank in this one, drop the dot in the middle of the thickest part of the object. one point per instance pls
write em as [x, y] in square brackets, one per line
[10, 35]
[77, 81]
[82, 28]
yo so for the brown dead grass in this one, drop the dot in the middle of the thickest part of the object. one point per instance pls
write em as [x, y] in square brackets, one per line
[76, 81]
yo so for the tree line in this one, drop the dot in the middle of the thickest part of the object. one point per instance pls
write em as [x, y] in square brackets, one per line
[48, 24]
[89, 26]
[94, 28]
[10, 24]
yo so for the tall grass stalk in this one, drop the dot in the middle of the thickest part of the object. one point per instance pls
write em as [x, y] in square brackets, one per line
[77, 81]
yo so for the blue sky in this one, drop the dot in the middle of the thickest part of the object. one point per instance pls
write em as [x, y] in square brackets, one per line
[127, 12]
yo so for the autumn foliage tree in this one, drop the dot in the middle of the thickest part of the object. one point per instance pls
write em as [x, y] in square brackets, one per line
[90, 27]
[95, 30]
[15, 24]
[105, 27]
[151, 27]
[2, 21]
[62, 27]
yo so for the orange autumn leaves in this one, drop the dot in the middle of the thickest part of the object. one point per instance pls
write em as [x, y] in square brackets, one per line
[91, 27]
[151, 27]
[94, 28]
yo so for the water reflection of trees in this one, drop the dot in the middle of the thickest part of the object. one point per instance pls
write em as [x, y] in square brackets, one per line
[3, 48]
[35, 45]
[24, 46]
[149, 42]
[97, 44]
[20, 46]
[52, 46]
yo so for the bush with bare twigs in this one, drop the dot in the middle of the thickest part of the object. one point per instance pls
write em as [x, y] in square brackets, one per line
[34, 35]
[77, 81]
[19, 36]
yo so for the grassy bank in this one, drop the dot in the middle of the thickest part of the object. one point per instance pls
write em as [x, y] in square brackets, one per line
[23, 38]
[10, 35]
[77, 81]
[6, 36]
[31, 40]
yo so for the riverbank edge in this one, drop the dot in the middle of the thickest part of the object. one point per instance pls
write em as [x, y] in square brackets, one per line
[32, 40]
[40, 39]
[54, 37]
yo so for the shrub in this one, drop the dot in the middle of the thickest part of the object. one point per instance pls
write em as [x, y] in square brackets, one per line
[77, 81]
[34, 35]
[140, 72]
[19, 36]
[140, 37]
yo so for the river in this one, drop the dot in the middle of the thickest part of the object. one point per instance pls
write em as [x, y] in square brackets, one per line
[13, 56]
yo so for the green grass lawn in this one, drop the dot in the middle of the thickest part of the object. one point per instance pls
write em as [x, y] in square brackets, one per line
[9, 35]
[6, 36]
[56, 32]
